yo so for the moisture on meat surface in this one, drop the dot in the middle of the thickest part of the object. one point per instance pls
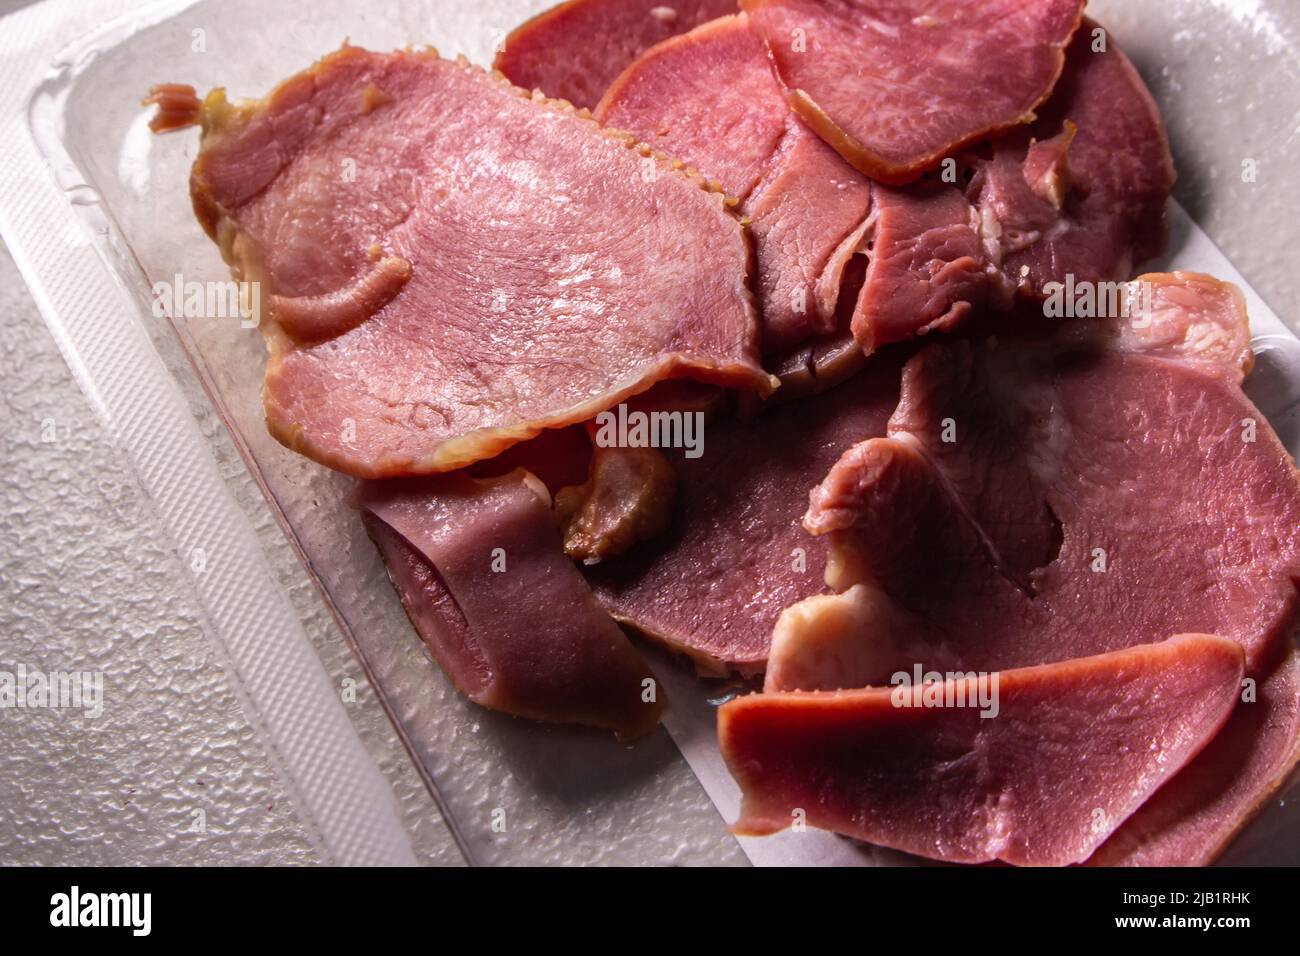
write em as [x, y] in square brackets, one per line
[896, 85]
[479, 566]
[1193, 818]
[575, 50]
[1054, 496]
[455, 266]
[1036, 766]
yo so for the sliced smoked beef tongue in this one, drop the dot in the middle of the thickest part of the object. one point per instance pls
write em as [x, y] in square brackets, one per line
[1079, 193]
[1035, 769]
[573, 51]
[709, 98]
[1082, 191]
[1078, 196]
[456, 266]
[1191, 820]
[479, 566]
[895, 86]
[1056, 497]
[712, 585]
[1062, 494]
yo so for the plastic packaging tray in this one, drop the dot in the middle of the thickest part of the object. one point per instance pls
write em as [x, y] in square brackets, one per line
[568, 795]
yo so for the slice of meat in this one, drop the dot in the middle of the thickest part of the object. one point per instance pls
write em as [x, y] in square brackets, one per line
[896, 85]
[1078, 197]
[455, 266]
[479, 567]
[927, 270]
[176, 105]
[1081, 192]
[1065, 754]
[709, 98]
[1191, 820]
[1058, 496]
[575, 50]
[735, 554]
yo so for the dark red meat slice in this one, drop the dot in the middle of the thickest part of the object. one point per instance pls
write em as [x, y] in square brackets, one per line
[713, 584]
[575, 50]
[896, 85]
[454, 266]
[517, 630]
[1070, 752]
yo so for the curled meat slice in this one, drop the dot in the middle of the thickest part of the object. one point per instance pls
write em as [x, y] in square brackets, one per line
[479, 567]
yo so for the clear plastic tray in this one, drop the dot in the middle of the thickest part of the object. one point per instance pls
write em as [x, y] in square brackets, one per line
[569, 795]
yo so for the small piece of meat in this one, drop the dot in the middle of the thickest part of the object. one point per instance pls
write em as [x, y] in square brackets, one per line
[454, 266]
[627, 499]
[177, 107]
[709, 98]
[1067, 752]
[480, 570]
[926, 269]
[896, 85]
[1191, 820]
[1049, 497]
[735, 554]
[1082, 191]
[575, 50]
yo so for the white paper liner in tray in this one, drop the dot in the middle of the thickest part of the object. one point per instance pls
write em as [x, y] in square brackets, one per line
[91, 227]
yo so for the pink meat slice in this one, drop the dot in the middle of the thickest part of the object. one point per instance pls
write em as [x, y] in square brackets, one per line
[575, 50]
[896, 85]
[1045, 498]
[456, 266]
[517, 630]
[1193, 818]
[1083, 190]
[709, 98]
[927, 270]
[1073, 749]
[735, 555]
[1079, 195]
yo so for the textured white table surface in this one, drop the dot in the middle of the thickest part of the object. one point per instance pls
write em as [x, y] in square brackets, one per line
[87, 581]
